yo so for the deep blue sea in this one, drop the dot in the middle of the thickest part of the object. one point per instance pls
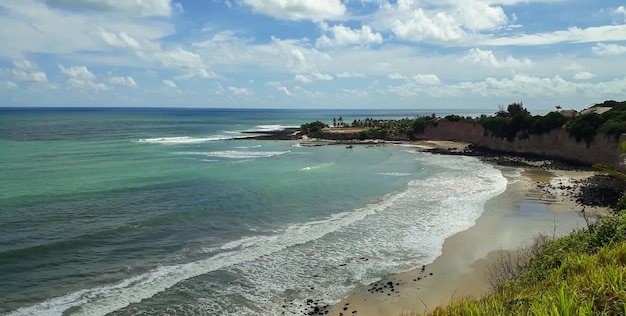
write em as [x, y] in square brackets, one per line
[173, 212]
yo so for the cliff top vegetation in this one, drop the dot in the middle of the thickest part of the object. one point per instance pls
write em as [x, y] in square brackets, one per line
[509, 123]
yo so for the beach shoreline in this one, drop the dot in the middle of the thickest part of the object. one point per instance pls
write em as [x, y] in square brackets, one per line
[538, 200]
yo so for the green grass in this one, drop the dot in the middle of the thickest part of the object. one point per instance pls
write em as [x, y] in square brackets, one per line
[580, 274]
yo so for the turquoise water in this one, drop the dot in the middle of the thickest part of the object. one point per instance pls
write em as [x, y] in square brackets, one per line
[164, 211]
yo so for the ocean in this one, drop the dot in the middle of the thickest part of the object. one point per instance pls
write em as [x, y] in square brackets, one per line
[174, 212]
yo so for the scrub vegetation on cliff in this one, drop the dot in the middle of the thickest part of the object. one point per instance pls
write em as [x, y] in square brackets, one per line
[583, 273]
[510, 123]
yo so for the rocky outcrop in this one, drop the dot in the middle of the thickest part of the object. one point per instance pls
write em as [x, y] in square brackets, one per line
[556, 144]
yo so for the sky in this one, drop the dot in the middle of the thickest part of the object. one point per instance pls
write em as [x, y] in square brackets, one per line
[403, 54]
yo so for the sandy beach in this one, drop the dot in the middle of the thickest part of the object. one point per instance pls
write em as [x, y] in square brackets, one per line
[535, 202]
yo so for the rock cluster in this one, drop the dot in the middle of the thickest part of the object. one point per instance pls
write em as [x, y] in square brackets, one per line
[600, 191]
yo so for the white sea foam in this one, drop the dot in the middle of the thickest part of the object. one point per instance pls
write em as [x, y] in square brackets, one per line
[395, 174]
[185, 139]
[410, 225]
[410, 228]
[271, 128]
[320, 166]
[234, 154]
[248, 147]
[109, 298]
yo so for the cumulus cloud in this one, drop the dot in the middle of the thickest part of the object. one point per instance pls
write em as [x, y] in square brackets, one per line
[179, 58]
[396, 76]
[8, 85]
[621, 11]
[303, 78]
[426, 79]
[299, 9]
[481, 57]
[169, 83]
[447, 21]
[27, 71]
[608, 49]
[123, 81]
[238, 91]
[344, 36]
[130, 7]
[81, 78]
[77, 72]
[280, 87]
[583, 75]
[346, 74]
[196, 73]
[314, 75]
[320, 76]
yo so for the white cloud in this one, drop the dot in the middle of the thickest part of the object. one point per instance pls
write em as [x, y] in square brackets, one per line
[514, 87]
[27, 71]
[302, 78]
[621, 11]
[571, 35]
[299, 9]
[77, 72]
[238, 91]
[197, 73]
[345, 36]
[478, 15]
[574, 67]
[345, 74]
[219, 89]
[583, 75]
[8, 85]
[169, 83]
[321, 76]
[314, 75]
[179, 58]
[81, 78]
[152, 52]
[28, 76]
[298, 58]
[522, 85]
[448, 21]
[396, 76]
[33, 27]
[426, 79]
[131, 7]
[119, 40]
[353, 93]
[481, 57]
[439, 27]
[123, 81]
[602, 49]
[280, 87]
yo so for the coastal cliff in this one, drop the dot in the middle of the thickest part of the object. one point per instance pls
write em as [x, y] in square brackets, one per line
[557, 143]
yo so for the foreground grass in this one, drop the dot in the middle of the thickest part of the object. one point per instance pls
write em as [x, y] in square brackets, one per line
[583, 273]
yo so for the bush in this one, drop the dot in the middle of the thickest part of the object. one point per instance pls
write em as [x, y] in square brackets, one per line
[313, 128]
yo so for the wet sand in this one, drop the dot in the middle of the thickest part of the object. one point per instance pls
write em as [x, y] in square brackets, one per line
[510, 220]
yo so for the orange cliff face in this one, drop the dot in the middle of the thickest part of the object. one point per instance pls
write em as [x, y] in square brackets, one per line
[554, 144]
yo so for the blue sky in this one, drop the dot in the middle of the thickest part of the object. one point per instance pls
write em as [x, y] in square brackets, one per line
[312, 53]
